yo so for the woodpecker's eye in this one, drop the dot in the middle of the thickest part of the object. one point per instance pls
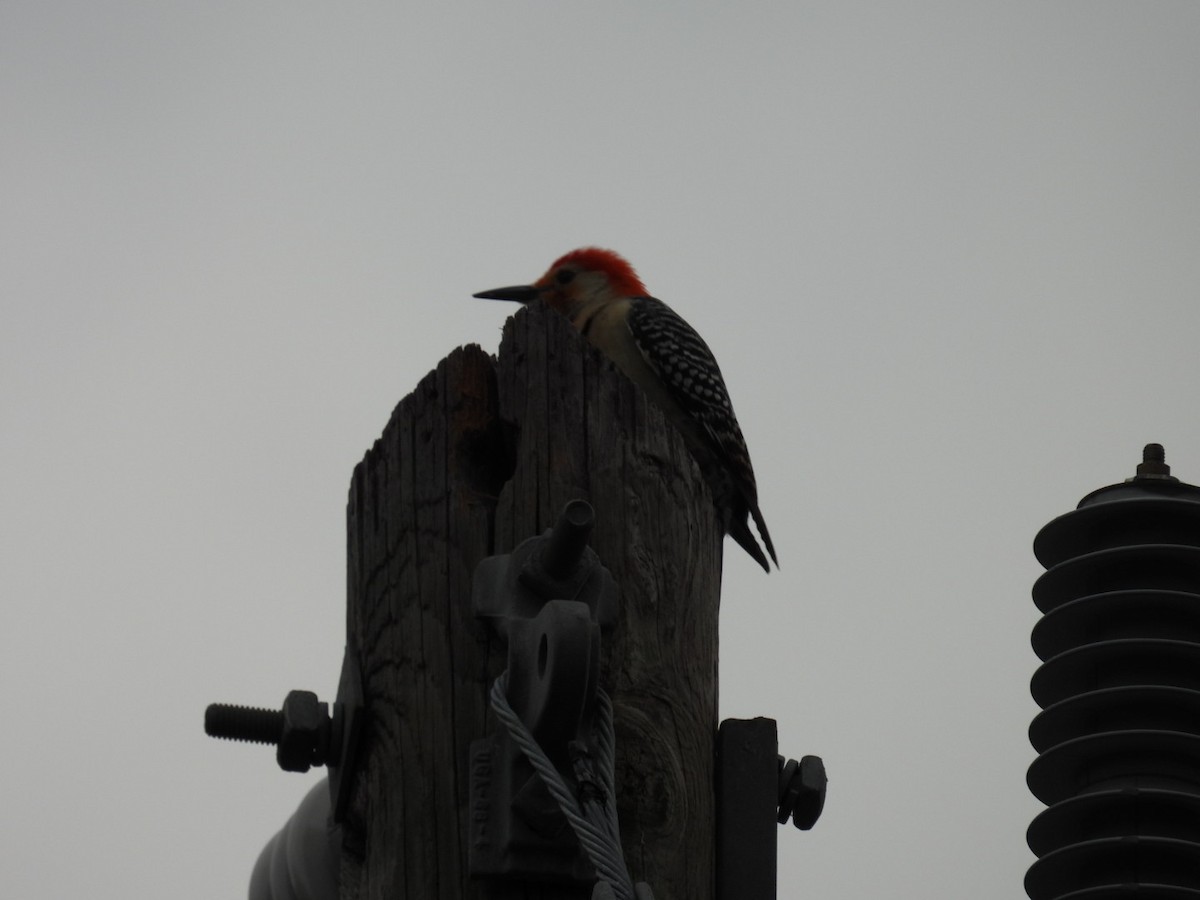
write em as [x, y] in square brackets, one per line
[564, 276]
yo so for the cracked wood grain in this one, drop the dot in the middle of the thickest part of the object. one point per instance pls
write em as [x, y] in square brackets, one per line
[483, 454]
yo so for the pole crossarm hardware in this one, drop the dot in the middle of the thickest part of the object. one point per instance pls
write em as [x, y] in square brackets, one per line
[543, 788]
[302, 860]
[305, 731]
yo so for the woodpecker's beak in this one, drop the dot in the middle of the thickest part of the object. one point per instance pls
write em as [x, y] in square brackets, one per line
[522, 293]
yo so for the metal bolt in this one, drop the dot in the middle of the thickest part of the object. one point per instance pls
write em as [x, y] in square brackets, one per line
[1153, 464]
[568, 539]
[801, 791]
[243, 723]
[302, 730]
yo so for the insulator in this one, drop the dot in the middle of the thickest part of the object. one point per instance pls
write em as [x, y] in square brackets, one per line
[1118, 737]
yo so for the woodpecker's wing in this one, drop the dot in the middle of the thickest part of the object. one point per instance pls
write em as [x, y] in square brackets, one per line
[687, 368]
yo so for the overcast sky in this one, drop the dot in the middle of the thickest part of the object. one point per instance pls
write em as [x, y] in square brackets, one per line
[947, 255]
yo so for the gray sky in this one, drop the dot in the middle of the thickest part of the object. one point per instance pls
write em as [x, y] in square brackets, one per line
[945, 252]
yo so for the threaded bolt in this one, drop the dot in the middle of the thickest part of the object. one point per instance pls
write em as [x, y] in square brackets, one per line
[1153, 464]
[243, 723]
[302, 731]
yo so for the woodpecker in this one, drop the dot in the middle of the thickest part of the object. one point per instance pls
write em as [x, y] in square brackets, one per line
[602, 296]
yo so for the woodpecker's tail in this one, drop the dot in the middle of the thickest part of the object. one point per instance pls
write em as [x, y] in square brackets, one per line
[740, 531]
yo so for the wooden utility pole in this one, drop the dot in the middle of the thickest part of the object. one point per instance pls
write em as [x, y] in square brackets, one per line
[482, 455]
